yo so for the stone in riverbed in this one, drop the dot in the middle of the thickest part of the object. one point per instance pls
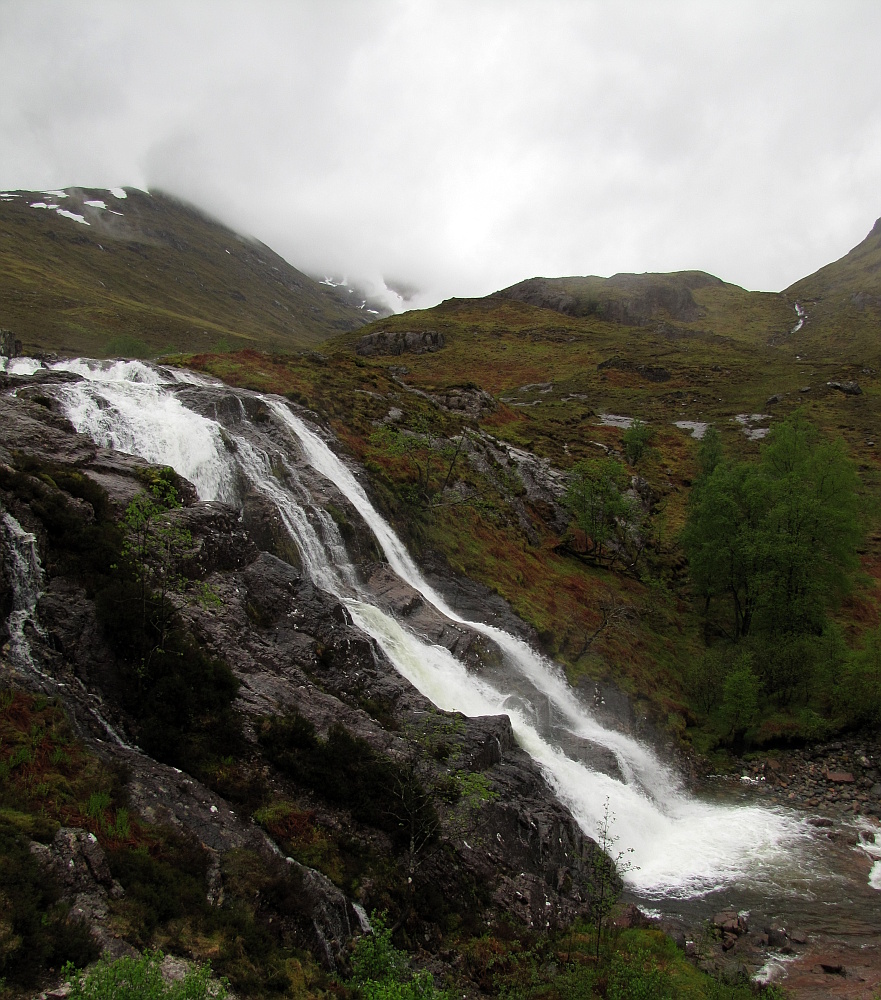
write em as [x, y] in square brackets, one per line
[840, 777]
[829, 966]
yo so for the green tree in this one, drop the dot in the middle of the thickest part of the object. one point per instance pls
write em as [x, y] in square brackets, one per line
[598, 503]
[740, 700]
[636, 440]
[775, 540]
[857, 684]
[724, 539]
[703, 678]
[813, 526]
[153, 547]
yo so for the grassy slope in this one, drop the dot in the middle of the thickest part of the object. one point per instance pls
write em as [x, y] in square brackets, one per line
[843, 305]
[161, 276]
[547, 371]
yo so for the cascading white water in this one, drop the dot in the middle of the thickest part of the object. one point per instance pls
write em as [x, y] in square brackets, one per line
[681, 846]
[27, 576]
[27, 583]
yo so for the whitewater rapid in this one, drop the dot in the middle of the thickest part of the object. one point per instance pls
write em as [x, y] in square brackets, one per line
[676, 845]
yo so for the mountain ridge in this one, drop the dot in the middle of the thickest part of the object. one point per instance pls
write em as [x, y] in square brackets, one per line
[86, 271]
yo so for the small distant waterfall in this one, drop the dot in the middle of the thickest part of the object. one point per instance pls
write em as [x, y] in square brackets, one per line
[682, 846]
[26, 574]
[23, 562]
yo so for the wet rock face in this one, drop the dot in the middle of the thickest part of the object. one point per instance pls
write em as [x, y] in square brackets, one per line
[399, 342]
[220, 542]
[293, 647]
[304, 654]
[78, 864]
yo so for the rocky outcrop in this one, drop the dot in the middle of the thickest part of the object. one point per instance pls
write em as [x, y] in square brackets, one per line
[395, 342]
[78, 864]
[471, 402]
[538, 484]
[10, 347]
[628, 299]
[849, 388]
[293, 648]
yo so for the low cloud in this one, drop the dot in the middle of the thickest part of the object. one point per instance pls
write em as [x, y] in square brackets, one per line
[457, 147]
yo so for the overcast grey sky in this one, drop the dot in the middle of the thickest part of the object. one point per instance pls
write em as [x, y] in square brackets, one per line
[459, 146]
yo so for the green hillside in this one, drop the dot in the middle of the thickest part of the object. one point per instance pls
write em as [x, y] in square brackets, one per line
[842, 304]
[147, 274]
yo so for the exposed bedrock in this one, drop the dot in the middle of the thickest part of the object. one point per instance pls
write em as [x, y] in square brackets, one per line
[292, 647]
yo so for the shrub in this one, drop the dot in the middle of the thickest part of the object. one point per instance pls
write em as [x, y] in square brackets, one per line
[141, 979]
[381, 971]
[345, 771]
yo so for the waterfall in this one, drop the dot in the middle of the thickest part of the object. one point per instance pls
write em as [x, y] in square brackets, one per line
[681, 845]
[26, 578]
[27, 582]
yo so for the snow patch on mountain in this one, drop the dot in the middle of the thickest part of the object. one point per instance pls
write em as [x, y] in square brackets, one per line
[72, 215]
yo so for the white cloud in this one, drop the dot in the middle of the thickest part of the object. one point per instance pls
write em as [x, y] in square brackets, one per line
[461, 146]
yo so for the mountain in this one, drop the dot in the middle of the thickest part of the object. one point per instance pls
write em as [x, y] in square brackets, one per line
[127, 272]
[842, 302]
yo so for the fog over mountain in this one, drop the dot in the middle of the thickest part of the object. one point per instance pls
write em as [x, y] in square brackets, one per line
[452, 148]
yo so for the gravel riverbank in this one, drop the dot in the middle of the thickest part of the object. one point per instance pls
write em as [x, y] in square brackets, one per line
[838, 787]
[836, 780]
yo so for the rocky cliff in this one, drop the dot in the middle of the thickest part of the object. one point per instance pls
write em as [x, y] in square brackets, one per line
[295, 659]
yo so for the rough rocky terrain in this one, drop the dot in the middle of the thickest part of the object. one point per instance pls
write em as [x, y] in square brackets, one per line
[291, 647]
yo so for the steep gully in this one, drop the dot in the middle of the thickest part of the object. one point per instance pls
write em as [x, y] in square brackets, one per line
[687, 856]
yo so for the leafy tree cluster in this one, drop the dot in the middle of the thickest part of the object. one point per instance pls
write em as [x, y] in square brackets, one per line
[605, 516]
[772, 543]
[772, 548]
